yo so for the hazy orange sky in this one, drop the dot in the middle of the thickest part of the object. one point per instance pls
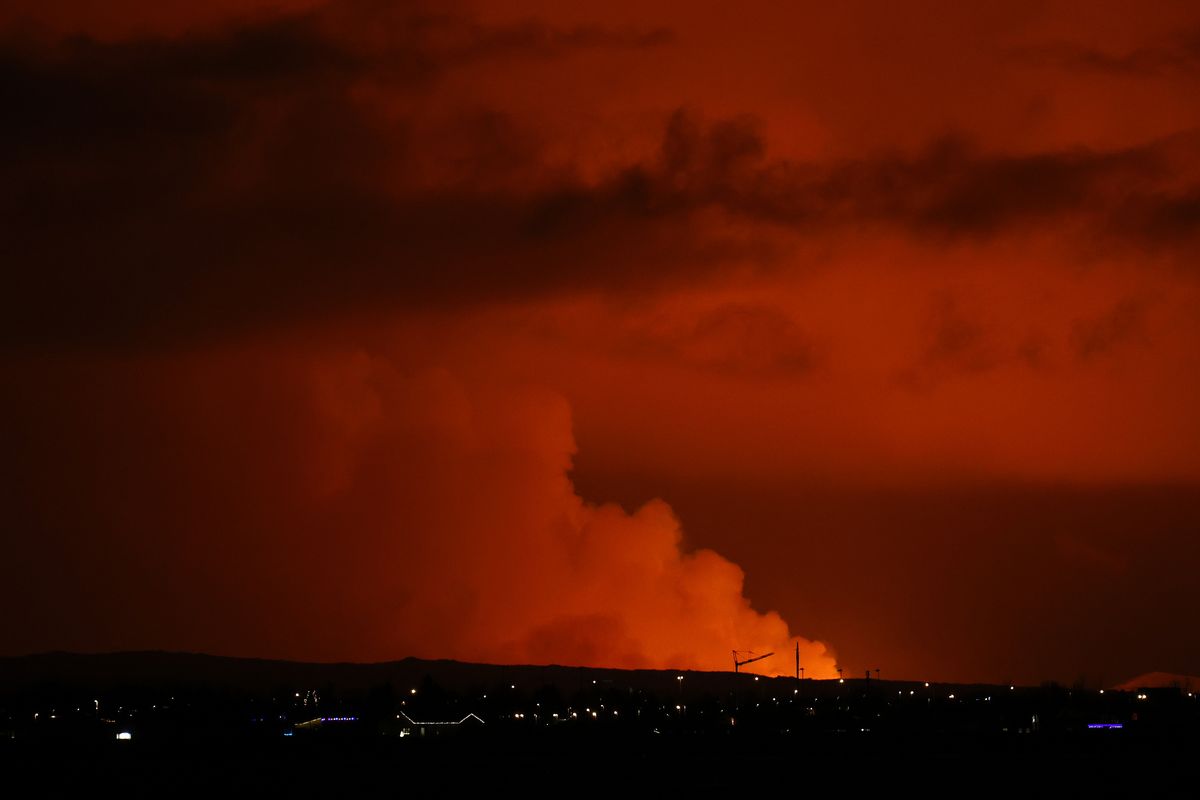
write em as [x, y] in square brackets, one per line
[622, 334]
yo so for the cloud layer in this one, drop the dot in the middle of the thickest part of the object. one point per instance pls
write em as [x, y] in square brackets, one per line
[318, 164]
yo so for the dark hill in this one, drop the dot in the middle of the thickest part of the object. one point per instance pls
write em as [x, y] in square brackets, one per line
[156, 669]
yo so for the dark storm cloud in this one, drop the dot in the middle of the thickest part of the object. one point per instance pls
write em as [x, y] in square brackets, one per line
[1124, 323]
[746, 340]
[1177, 55]
[950, 189]
[158, 189]
[958, 339]
[465, 40]
[957, 342]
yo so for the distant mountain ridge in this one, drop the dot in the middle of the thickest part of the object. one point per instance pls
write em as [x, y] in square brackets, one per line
[1161, 680]
[161, 668]
[151, 668]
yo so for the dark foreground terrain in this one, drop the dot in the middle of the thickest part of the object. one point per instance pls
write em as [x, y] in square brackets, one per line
[171, 724]
[831, 767]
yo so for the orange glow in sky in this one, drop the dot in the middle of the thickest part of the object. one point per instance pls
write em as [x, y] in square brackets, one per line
[619, 334]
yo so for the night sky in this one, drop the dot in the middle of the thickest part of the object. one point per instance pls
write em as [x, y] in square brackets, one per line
[604, 333]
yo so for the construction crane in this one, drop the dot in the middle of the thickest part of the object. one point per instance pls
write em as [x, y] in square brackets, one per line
[738, 662]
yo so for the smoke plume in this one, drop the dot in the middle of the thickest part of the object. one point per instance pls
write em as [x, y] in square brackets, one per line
[337, 506]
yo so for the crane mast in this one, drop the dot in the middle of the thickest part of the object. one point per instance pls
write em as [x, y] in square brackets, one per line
[738, 662]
